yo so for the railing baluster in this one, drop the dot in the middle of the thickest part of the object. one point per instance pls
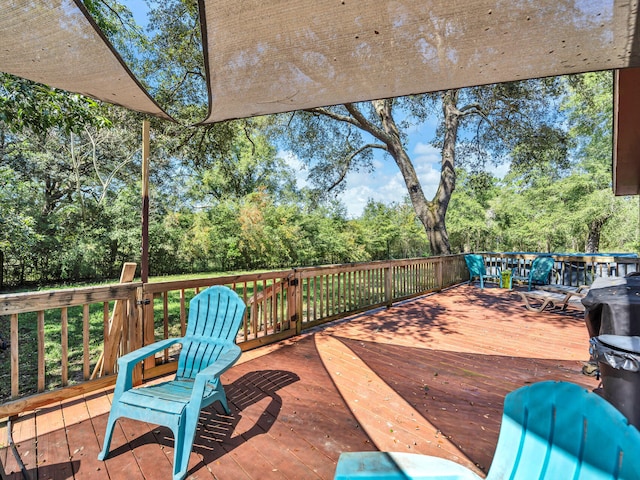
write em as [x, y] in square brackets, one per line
[254, 310]
[64, 334]
[245, 321]
[321, 295]
[15, 357]
[310, 299]
[86, 356]
[263, 309]
[165, 323]
[183, 313]
[41, 360]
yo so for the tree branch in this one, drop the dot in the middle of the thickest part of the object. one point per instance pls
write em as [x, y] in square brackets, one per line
[366, 124]
[334, 115]
[246, 134]
[347, 165]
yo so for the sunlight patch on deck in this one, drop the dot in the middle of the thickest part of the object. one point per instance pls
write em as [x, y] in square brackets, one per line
[391, 423]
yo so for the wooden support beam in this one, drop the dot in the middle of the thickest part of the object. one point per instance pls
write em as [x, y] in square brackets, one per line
[144, 260]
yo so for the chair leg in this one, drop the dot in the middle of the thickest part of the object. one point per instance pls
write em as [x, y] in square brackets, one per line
[222, 396]
[180, 452]
[540, 309]
[108, 433]
[184, 435]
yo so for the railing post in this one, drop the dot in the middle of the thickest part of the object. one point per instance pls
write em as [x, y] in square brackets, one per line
[135, 308]
[388, 285]
[292, 316]
[297, 301]
[115, 337]
[148, 333]
[439, 274]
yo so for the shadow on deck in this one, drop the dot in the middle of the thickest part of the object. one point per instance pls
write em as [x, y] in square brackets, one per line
[427, 376]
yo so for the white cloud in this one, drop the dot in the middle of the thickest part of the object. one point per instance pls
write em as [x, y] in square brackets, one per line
[428, 151]
[298, 167]
[499, 171]
[426, 161]
[385, 184]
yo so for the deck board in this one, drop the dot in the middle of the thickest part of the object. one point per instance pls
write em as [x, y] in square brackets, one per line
[427, 375]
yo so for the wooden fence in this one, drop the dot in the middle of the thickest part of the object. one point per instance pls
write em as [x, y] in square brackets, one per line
[571, 270]
[55, 339]
[66, 342]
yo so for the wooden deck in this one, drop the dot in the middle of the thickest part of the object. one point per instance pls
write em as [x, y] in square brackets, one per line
[428, 376]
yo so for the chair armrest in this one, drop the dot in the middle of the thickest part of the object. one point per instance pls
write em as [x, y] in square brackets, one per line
[222, 364]
[126, 363]
[399, 466]
[146, 351]
[217, 368]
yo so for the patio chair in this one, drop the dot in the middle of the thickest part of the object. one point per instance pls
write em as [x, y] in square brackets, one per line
[475, 264]
[550, 431]
[538, 273]
[208, 350]
[554, 296]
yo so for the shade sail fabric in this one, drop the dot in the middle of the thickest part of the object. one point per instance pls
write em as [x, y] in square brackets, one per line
[281, 55]
[270, 56]
[55, 43]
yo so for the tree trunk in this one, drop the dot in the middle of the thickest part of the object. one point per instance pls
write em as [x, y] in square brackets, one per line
[593, 237]
[430, 213]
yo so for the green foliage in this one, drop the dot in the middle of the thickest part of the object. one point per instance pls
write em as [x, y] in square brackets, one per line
[28, 106]
[173, 65]
[470, 220]
[392, 231]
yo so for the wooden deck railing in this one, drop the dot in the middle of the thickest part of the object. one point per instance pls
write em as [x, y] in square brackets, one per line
[58, 337]
[572, 270]
[55, 338]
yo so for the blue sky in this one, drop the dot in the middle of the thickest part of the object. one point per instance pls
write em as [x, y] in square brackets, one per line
[138, 9]
[385, 184]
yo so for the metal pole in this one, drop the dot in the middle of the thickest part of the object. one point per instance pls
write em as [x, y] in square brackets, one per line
[144, 258]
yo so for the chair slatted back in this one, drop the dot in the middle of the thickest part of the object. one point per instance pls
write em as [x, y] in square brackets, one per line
[540, 269]
[553, 430]
[215, 316]
[475, 264]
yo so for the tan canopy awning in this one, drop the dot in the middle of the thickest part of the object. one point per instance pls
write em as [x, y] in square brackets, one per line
[280, 55]
[54, 42]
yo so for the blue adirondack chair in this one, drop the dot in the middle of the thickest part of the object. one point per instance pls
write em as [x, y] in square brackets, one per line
[550, 431]
[538, 273]
[475, 264]
[208, 350]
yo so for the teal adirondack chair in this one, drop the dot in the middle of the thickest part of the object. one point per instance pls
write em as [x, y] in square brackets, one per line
[208, 350]
[538, 273]
[475, 264]
[550, 431]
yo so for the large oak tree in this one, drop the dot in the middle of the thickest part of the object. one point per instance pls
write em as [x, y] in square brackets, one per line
[477, 126]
